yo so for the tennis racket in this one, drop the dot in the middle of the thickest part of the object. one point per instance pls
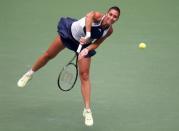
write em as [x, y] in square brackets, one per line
[69, 73]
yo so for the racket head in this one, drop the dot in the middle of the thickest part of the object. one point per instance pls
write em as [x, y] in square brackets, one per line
[67, 77]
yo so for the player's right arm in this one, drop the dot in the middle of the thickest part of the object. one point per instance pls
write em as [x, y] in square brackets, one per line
[91, 17]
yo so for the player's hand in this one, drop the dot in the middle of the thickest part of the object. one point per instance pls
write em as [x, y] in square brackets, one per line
[84, 40]
[83, 53]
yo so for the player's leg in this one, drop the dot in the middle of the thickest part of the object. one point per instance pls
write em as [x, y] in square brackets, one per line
[52, 51]
[84, 67]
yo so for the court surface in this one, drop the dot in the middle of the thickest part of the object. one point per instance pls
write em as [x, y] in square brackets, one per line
[132, 89]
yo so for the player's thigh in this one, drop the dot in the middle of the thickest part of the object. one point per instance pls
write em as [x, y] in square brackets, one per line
[55, 47]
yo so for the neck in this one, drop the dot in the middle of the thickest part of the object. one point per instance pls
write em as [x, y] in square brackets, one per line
[104, 25]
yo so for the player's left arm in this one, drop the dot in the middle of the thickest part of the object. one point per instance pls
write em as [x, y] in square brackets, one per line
[96, 43]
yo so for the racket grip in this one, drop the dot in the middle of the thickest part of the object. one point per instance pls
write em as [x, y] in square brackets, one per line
[79, 48]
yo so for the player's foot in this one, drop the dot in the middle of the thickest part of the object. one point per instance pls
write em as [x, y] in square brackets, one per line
[22, 82]
[88, 117]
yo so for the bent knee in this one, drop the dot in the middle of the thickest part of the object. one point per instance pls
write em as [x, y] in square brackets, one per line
[84, 76]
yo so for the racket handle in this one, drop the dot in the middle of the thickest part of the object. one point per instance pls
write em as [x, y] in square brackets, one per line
[79, 48]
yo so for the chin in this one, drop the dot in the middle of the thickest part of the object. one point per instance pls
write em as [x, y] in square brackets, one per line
[109, 23]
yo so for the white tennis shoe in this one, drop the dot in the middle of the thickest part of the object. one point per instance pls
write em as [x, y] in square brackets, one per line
[22, 82]
[88, 117]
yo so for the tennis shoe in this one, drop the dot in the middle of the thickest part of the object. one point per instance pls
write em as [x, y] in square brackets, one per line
[22, 82]
[87, 114]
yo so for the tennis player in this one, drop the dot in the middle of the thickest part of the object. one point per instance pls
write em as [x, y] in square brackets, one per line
[90, 30]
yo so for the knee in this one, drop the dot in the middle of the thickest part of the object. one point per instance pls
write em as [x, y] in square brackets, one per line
[84, 76]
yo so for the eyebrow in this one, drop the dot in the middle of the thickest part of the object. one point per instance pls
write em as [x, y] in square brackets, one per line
[113, 14]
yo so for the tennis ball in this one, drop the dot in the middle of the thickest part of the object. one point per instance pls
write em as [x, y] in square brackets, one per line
[142, 45]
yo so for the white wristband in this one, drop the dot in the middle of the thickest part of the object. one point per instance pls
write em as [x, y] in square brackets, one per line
[88, 35]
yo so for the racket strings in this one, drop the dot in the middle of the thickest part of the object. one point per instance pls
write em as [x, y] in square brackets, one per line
[68, 77]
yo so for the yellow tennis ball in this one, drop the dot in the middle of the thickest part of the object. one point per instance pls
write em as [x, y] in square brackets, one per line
[142, 45]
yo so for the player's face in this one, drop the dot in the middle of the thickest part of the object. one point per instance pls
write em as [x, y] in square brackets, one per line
[112, 16]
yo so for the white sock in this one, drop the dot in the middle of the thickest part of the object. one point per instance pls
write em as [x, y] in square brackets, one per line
[30, 72]
[88, 110]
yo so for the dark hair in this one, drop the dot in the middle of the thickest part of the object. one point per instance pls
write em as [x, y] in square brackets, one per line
[115, 8]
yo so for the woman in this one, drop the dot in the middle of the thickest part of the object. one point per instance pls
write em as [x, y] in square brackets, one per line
[90, 30]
